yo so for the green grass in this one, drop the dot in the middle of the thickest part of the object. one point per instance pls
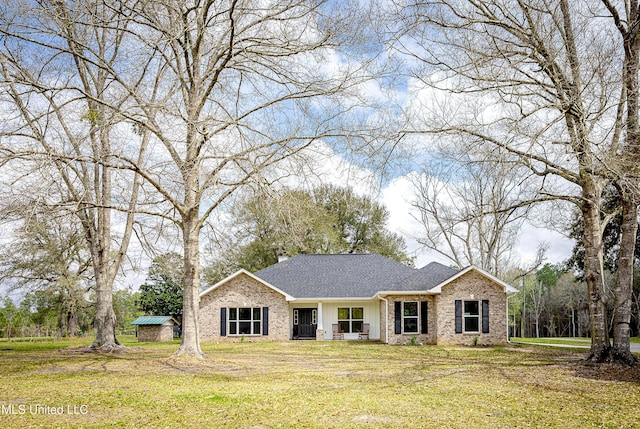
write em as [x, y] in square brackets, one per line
[577, 341]
[313, 385]
[583, 342]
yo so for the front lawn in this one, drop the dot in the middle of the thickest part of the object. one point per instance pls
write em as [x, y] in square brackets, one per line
[567, 341]
[312, 385]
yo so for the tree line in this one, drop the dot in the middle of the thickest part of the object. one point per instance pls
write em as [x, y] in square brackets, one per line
[47, 313]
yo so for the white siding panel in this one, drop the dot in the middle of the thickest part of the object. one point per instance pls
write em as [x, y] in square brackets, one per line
[371, 316]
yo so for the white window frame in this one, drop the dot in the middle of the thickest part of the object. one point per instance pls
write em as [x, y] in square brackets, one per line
[351, 319]
[254, 323]
[416, 317]
[314, 316]
[466, 316]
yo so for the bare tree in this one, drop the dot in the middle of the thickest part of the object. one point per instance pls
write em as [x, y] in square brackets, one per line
[220, 91]
[62, 117]
[626, 142]
[542, 86]
[469, 211]
[239, 87]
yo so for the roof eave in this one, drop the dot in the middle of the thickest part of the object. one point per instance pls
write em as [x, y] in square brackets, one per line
[333, 299]
[403, 292]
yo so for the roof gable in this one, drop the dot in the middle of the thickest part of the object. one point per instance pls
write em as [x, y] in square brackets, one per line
[245, 272]
[507, 287]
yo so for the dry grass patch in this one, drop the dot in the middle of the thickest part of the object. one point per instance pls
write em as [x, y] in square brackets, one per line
[313, 385]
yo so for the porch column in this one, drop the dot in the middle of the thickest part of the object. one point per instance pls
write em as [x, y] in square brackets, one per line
[320, 325]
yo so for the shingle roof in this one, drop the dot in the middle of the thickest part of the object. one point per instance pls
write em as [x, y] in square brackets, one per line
[150, 320]
[426, 278]
[336, 276]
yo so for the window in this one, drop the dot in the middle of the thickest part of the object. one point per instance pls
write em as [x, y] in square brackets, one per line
[471, 316]
[245, 321]
[410, 317]
[350, 319]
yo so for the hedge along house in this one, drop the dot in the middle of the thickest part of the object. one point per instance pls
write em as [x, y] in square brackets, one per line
[312, 296]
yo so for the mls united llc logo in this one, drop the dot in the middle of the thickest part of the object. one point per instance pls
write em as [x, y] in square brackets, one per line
[21, 409]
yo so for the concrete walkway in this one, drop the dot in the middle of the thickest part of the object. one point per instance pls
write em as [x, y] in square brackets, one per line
[586, 344]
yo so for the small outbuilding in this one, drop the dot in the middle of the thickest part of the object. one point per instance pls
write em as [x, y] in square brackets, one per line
[154, 328]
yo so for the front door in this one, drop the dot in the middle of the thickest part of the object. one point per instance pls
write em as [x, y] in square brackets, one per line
[306, 322]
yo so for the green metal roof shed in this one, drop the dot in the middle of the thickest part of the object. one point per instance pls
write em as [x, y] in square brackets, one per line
[154, 328]
[152, 320]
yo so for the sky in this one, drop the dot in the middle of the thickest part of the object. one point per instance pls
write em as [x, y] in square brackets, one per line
[397, 194]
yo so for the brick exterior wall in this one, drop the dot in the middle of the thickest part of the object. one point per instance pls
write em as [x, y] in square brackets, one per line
[154, 333]
[472, 286]
[243, 291]
[429, 338]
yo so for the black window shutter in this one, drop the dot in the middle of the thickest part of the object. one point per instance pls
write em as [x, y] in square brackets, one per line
[458, 316]
[424, 317]
[223, 322]
[398, 317]
[485, 316]
[265, 320]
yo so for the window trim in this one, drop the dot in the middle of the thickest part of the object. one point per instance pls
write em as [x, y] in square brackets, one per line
[416, 317]
[466, 316]
[351, 319]
[252, 321]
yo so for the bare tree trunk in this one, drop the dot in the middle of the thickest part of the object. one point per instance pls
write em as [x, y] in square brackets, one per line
[624, 282]
[72, 323]
[523, 322]
[190, 344]
[105, 319]
[594, 272]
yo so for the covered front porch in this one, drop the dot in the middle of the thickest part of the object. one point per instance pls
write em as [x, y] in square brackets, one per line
[317, 319]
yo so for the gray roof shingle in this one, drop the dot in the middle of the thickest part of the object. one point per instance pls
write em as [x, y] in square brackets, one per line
[349, 276]
[427, 277]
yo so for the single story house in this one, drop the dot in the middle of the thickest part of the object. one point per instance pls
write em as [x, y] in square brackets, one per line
[154, 328]
[356, 296]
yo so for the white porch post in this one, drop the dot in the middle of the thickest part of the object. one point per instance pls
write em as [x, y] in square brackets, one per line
[320, 326]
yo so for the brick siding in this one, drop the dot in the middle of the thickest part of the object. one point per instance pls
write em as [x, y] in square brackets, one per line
[429, 338]
[154, 333]
[243, 291]
[472, 286]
